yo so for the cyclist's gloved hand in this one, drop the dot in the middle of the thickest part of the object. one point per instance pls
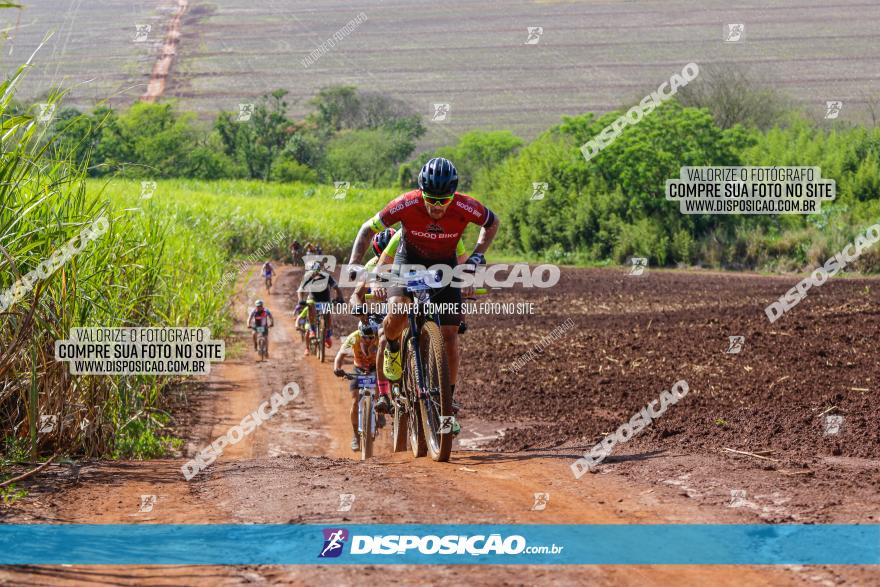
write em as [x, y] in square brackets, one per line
[339, 372]
[476, 259]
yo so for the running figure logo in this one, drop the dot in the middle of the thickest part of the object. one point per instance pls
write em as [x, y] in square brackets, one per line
[142, 32]
[832, 109]
[334, 540]
[346, 500]
[638, 266]
[341, 189]
[539, 189]
[541, 500]
[245, 112]
[46, 113]
[148, 188]
[734, 33]
[535, 33]
[446, 424]
[441, 112]
[735, 346]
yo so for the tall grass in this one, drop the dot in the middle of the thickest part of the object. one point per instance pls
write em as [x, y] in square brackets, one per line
[143, 271]
[244, 216]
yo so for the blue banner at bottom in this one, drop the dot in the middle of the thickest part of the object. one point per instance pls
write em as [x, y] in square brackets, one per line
[355, 544]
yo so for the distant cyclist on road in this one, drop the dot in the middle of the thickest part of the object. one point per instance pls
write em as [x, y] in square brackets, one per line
[260, 316]
[295, 250]
[361, 345]
[432, 220]
[315, 289]
[268, 274]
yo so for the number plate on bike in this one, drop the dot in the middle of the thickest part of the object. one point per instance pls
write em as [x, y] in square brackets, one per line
[422, 280]
[366, 380]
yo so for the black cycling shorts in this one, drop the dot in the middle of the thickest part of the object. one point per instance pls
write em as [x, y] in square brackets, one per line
[444, 295]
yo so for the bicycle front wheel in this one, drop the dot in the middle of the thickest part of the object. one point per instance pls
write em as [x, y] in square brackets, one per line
[436, 408]
[411, 395]
[366, 427]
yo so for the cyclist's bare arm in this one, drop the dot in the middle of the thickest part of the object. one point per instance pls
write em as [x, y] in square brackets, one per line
[361, 242]
[487, 235]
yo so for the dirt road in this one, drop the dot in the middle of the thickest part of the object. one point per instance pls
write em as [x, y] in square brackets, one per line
[167, 55]
[294, 467]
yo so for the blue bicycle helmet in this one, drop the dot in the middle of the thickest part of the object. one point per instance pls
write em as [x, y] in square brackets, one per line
[438, 177]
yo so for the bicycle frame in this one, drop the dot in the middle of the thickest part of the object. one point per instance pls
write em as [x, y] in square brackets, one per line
[367, 385]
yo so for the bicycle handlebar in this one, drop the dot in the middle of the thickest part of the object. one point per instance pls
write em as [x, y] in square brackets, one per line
[480, 291]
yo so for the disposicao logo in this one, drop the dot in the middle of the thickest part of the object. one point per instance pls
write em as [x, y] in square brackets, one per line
[334, 541]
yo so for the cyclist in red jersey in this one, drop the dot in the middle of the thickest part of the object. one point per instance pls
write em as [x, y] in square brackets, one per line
[432, 219]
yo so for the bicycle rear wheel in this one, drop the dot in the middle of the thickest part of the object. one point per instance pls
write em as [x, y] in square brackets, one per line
[400, 425]
[321, 346]
[366, 409]
[438, 406]
[411, 395]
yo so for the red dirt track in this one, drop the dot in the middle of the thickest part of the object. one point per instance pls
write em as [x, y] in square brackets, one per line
[633, 338]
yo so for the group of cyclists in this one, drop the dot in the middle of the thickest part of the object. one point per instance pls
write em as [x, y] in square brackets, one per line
[432, 220]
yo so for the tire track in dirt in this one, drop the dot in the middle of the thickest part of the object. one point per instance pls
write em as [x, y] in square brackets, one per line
[167, 54]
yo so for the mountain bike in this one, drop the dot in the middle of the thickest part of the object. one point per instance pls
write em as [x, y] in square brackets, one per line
[368, 425]
[423, 401]
[268, 281]
[262, 342]
[321, 310]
